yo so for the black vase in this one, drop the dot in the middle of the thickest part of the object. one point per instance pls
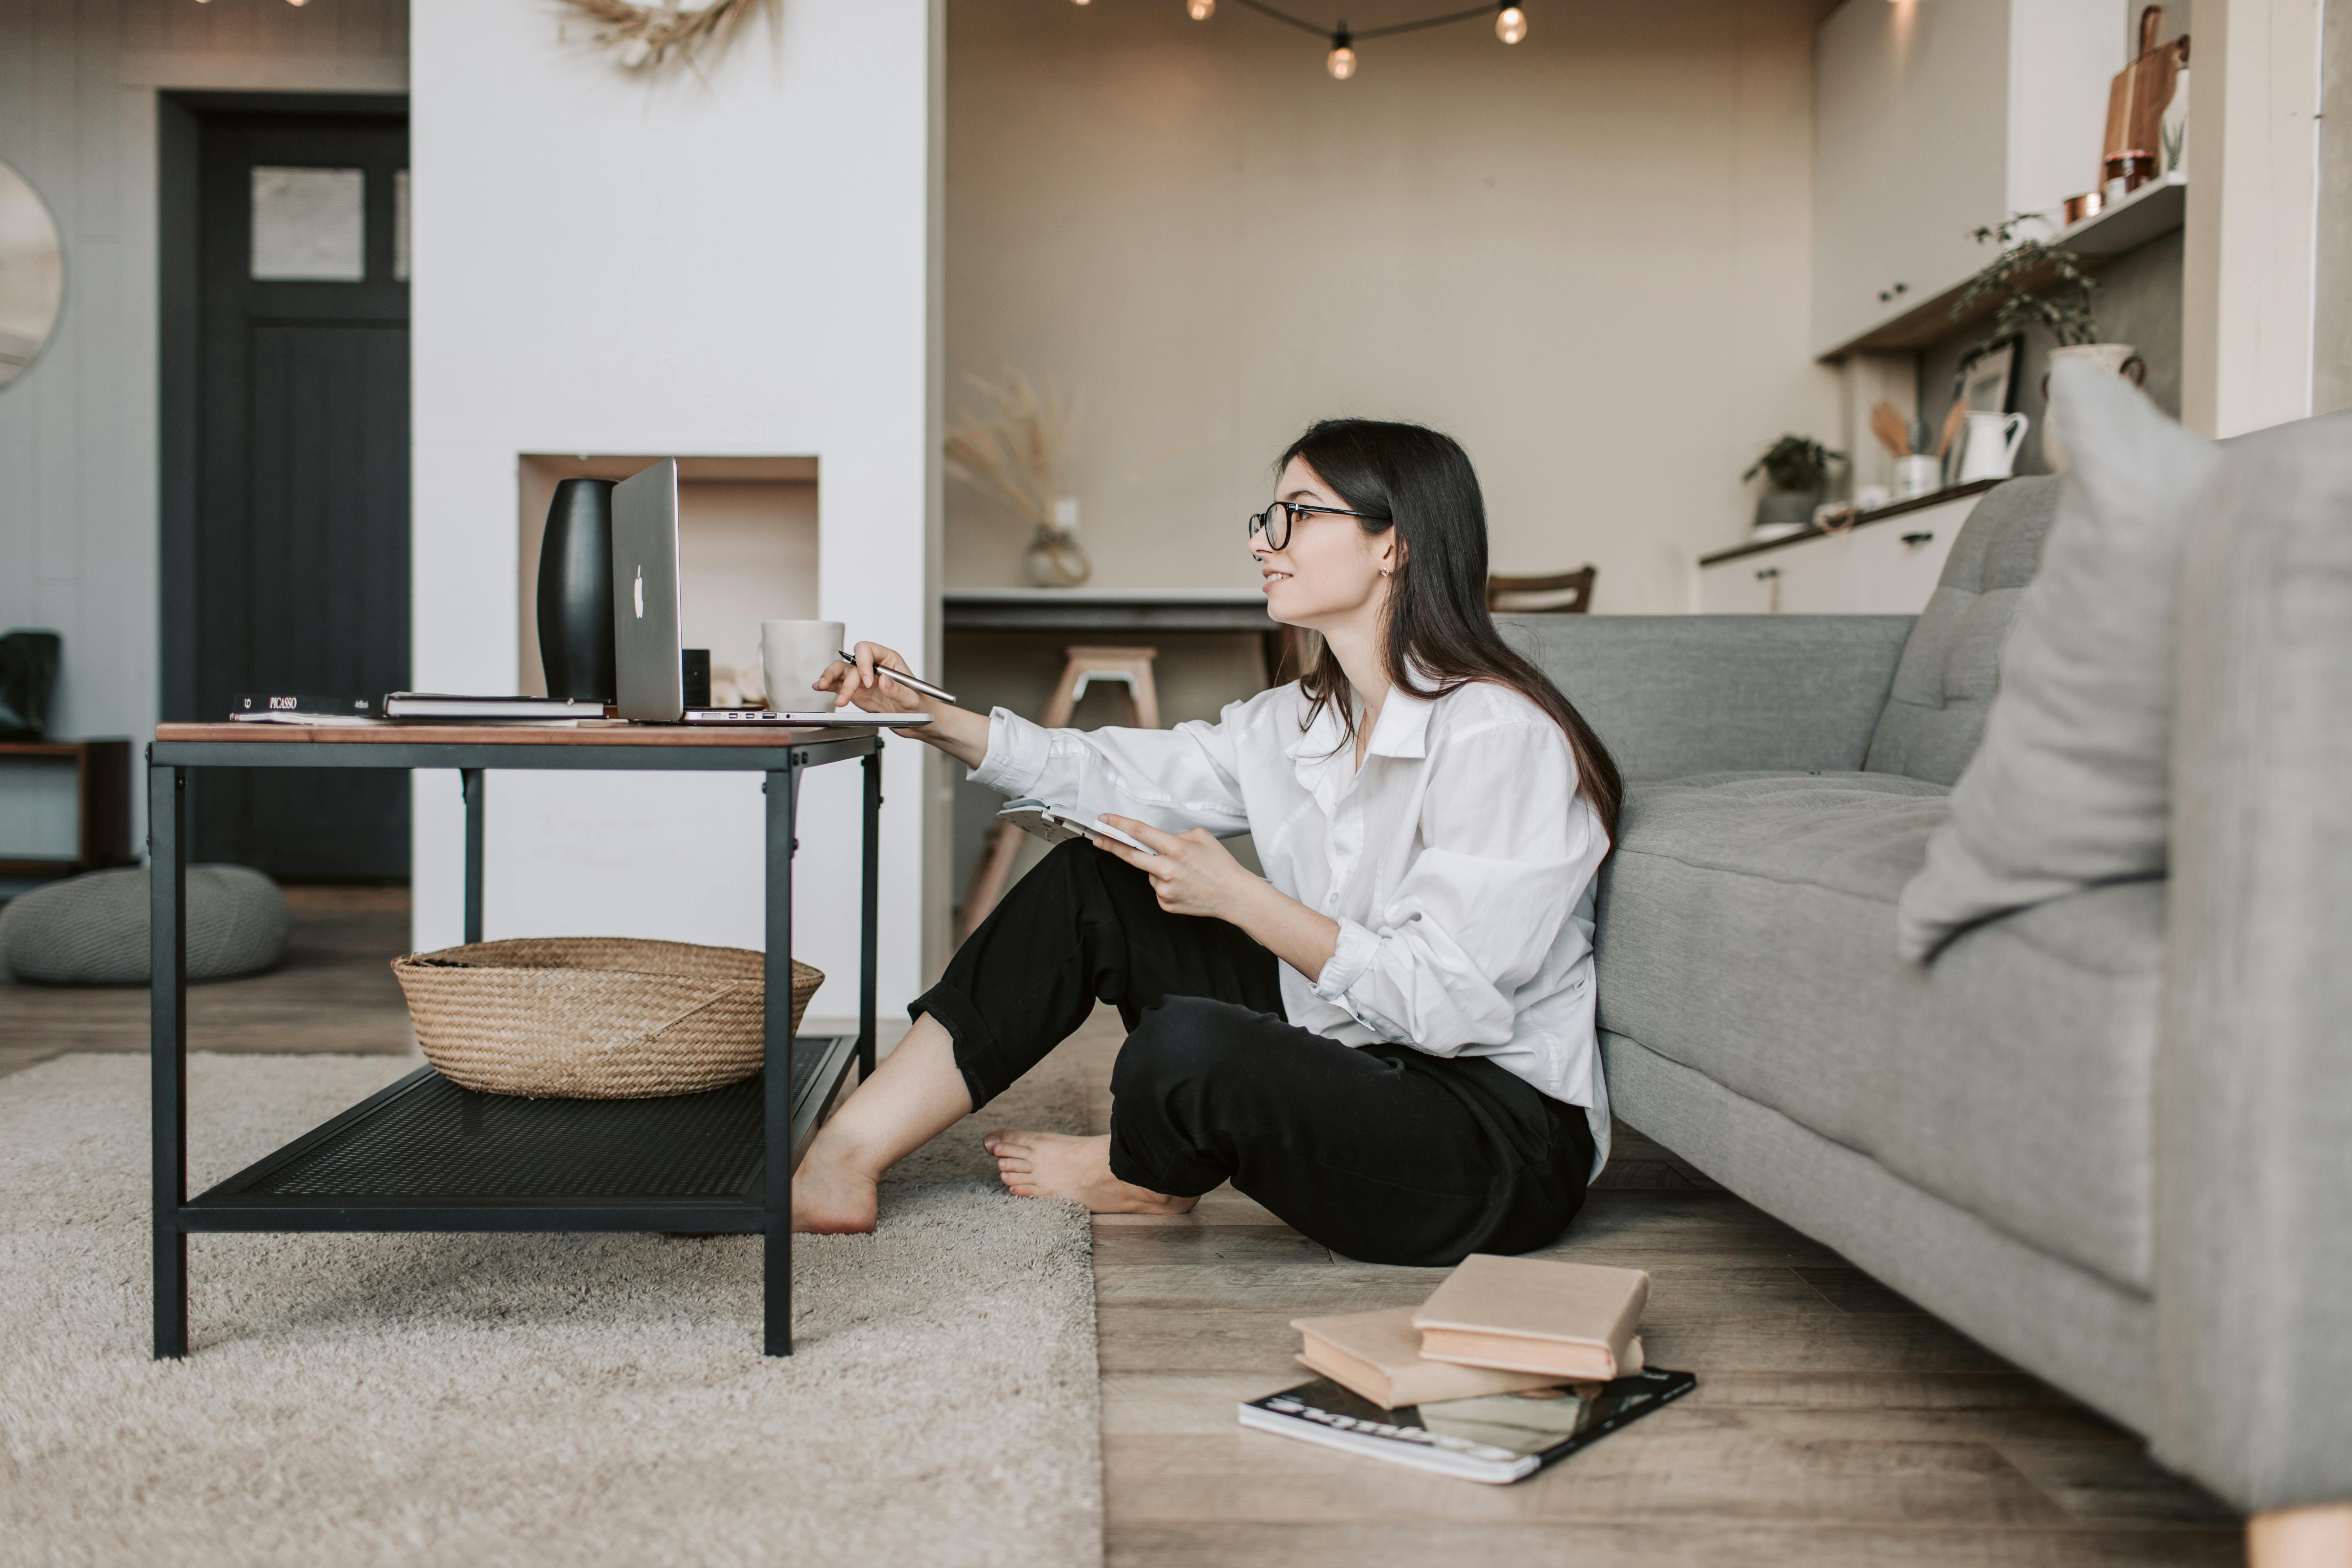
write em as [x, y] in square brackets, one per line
[575, 592]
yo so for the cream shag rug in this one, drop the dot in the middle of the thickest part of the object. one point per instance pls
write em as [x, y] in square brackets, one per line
[527, 1399]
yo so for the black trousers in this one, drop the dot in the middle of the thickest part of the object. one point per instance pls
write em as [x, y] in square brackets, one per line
[1380, 1152]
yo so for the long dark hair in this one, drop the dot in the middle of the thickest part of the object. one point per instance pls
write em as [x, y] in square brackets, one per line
[1420, 483]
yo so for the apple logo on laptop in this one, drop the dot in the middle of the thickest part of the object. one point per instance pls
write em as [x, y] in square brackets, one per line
[641, 593]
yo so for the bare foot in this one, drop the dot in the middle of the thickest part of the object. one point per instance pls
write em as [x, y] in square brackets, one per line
[831, 1199]
[1051, 1165]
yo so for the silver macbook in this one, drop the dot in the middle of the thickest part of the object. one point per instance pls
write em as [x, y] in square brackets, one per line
[644, 597]
[645, 647]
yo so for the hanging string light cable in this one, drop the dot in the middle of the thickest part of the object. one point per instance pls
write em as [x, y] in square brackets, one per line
[1510, 27]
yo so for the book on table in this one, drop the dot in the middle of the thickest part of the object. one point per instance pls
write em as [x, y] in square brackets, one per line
[1497, 1437]
[413, 707]
[1537, 1315]
[262, 708]
[460, 709]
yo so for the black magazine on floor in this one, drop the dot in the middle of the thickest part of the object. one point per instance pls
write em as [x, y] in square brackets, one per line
[1496, 1438]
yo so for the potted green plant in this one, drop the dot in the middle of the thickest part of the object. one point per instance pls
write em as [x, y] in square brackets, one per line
[2039, 285]
[1797, 469]
[2034, 284]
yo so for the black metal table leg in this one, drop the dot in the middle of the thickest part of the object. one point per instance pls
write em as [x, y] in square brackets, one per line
[783, 789]
[868, 912]
[470, 782]
[167, 1045]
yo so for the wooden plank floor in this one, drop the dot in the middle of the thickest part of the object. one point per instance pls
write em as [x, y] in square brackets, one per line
[334, 991]
[1835, 1423]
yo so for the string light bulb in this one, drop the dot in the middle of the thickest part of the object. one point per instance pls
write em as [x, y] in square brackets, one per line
[1510, 23]
[1341, 61]
[1199, 10]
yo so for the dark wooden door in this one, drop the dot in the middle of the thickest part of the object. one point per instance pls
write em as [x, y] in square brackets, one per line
[301, 514]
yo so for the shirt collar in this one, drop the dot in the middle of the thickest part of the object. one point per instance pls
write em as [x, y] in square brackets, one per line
[1403, 728]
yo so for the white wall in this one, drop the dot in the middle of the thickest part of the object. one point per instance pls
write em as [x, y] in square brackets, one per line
[77, 431]
[1587, 257]
[735, 268]
[2248, 286]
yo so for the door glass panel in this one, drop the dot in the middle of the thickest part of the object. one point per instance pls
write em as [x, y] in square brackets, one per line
[308, 224]
[400, 225]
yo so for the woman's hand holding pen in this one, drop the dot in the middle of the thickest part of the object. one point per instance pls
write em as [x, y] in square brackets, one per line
[866, 684]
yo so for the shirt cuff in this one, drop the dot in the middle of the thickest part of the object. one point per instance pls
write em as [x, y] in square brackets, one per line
[1017, 751]
[1348, 962]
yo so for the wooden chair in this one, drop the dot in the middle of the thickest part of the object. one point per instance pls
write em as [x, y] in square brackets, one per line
[1128, 666]
[1569, 594]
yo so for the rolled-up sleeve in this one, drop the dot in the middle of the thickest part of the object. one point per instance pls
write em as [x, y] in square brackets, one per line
[1482, 906]
[1176, 779]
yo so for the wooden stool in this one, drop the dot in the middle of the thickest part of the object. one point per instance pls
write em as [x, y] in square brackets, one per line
[1128, 666]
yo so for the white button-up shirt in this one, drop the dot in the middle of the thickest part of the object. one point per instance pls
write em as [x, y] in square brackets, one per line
[1458, 862]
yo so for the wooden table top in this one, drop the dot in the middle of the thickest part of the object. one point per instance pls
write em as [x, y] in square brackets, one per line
[589, 732]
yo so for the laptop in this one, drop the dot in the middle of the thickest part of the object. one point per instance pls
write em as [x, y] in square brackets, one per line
[646, 662]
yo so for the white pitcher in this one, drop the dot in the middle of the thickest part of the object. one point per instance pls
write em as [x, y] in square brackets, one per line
[1989, 447]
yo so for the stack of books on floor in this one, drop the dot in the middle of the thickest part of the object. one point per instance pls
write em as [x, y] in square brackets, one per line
[411, 707]
[1512, 1364]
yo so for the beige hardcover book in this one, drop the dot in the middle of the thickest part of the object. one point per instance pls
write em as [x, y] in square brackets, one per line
[1533, 1315]
[1378, 1354]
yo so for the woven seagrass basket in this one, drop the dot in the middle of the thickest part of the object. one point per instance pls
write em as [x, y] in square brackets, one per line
[593, 1017]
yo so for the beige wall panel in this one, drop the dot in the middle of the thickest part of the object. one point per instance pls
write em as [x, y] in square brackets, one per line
[1587, 257]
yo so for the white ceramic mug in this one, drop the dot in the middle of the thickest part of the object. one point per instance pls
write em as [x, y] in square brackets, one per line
[792, 654]
[1990, 444]
[1920, 474]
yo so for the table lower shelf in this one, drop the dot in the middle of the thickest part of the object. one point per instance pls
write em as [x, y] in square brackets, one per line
[425, 1154]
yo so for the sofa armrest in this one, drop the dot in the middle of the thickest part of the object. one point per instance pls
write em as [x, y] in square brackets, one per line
[1675, 695]
[2253, 1088]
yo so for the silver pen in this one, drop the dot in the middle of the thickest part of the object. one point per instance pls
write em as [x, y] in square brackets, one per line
[900, 676]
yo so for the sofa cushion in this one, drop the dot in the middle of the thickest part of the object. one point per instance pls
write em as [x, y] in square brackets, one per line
[1743, 933]
[2071, 786]
[1945, 682]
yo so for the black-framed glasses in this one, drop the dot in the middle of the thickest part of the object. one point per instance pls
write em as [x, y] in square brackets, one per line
[1275, 521]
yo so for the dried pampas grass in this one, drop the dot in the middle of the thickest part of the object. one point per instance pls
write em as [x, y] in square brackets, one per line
[649, 37]
[1015, 454]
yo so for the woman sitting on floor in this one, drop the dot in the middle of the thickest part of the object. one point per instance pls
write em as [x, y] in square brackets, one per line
[1388, 1041]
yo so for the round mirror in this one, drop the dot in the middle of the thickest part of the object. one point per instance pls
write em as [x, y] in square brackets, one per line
[32, 274]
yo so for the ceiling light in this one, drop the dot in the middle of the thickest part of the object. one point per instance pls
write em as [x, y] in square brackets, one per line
[1511, 24]
[1200, 10]
[1341, 61]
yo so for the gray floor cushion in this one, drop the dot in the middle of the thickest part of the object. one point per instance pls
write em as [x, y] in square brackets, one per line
[92, 930]
[1745, 932]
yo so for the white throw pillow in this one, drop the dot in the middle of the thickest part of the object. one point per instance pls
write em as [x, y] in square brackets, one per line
[2071, 786]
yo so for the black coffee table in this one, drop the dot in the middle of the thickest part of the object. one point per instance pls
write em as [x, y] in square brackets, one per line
[425, 1154]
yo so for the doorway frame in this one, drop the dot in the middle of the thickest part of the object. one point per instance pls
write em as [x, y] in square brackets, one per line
[180, 118]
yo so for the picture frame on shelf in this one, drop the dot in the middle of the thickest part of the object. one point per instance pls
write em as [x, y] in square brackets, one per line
[1988, 379]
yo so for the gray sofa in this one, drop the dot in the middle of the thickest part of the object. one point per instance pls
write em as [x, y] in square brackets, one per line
[2110, 1140]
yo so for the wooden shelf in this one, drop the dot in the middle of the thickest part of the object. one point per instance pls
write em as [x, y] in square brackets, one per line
[2154, 209]
[1814, 530]
[101, 805]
